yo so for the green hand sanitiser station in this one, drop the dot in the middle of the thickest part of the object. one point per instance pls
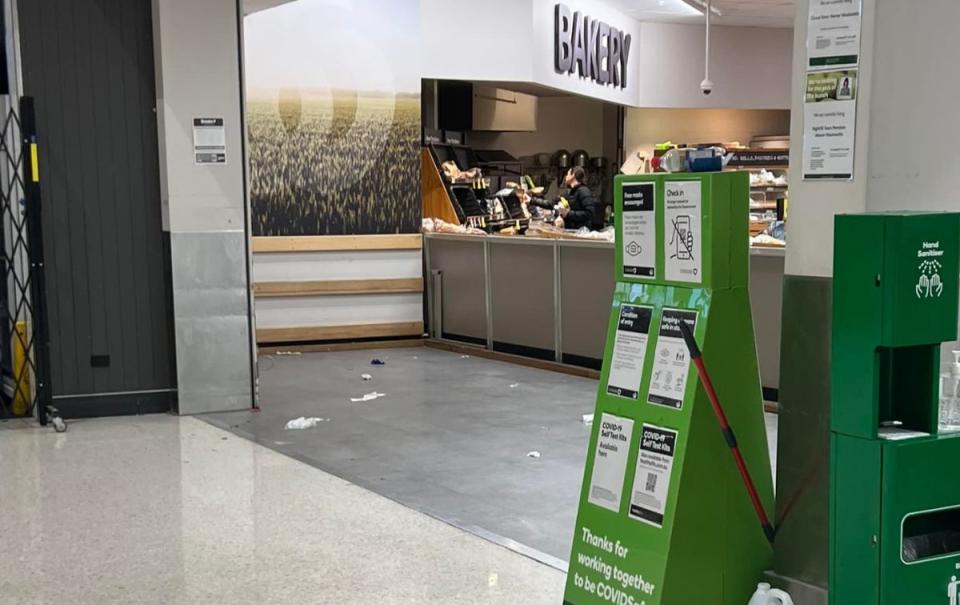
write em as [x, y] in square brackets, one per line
[895, 477]
[664, 518]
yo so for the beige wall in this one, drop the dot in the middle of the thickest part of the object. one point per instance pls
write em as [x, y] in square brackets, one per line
[562, 123]
[643, 128]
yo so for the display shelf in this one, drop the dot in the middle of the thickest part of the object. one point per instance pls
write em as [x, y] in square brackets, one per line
[768, 167]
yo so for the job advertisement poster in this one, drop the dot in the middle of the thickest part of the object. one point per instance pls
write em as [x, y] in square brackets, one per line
[651, 481]
[671, 367]
[629, 351]
[610, 462]
[639, 230]
[683, 236]
[833, 34]
[830, 125]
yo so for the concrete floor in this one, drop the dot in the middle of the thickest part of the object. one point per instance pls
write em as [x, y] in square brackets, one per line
[174, 511]
[450, 438]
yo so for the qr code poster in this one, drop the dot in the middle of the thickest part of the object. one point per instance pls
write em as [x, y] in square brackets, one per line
[651, 483]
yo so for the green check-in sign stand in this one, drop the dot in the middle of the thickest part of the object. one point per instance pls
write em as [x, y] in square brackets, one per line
[664, 518]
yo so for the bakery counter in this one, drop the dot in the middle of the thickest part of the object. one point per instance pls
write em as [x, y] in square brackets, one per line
[543, 298]
[550, 299]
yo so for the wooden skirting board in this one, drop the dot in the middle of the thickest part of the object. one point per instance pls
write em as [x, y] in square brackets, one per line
[342, 346]
[553, 366]
[326, 333]
[338, 287]
[338, 243]
[445, 345]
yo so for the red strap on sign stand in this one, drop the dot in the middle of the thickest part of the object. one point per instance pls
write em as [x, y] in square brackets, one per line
[731, 439]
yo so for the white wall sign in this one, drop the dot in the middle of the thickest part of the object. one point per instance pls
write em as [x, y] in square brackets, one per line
[629, 351]
[671, 366]
[833, 34]
[639, 230]
[830, 125]
[209, 141]
[683, 233]
[610, 462]
[651, 481]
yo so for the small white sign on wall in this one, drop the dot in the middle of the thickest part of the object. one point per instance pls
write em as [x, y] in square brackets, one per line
[209, 141]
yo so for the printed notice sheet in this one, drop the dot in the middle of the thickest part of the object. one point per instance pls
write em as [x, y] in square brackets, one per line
[610, 462]
[651, 482]
[671, 367]
[629, 351]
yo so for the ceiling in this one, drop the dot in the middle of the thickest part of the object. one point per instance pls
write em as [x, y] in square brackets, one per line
[748, 13]
[744, 13]
[252, 6]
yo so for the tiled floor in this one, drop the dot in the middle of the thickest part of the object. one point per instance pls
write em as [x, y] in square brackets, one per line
[167, 510]
[450, 438]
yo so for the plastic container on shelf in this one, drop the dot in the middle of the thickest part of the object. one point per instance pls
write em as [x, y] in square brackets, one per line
[674, 160]
[766, 595]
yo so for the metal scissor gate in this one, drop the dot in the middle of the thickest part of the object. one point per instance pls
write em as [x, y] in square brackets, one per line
[24, 339]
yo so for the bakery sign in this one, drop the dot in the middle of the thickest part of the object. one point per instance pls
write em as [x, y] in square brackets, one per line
[592, 49]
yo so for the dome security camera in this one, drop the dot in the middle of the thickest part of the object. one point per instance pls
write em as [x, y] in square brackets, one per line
[706, 87]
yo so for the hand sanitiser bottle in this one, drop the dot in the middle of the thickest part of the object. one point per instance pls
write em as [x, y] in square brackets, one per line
[950, 396]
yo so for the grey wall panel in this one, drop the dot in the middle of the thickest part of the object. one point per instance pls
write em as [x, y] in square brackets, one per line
[89, 64]
[586, 294]
[803, 443]
[522, 297]
[464, 300]
[211, 318]
[766, 302]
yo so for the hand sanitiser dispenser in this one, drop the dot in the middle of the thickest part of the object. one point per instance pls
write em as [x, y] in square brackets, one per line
[895, 476]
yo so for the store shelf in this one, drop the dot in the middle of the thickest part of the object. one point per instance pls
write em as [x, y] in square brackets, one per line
[771, 168]
[769, 188]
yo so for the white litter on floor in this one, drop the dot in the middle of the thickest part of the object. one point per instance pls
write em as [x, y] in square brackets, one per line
[304, 423]
[366, 376]
[588, 419]
[464, 357]
[514, 385]
[533, 454]
[368, 397]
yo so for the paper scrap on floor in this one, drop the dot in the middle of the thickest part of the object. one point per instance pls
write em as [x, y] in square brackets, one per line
[368, 397]
[588, 419]
[366, 376]
[304, 423]
[533, 454]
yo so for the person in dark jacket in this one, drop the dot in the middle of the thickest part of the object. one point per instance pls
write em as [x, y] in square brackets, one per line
[581, 212]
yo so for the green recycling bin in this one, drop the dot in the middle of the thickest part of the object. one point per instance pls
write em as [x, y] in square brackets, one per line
[895, 480]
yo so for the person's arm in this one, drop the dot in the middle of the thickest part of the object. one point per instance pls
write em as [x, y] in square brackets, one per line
[539, 202]
[582, 216]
